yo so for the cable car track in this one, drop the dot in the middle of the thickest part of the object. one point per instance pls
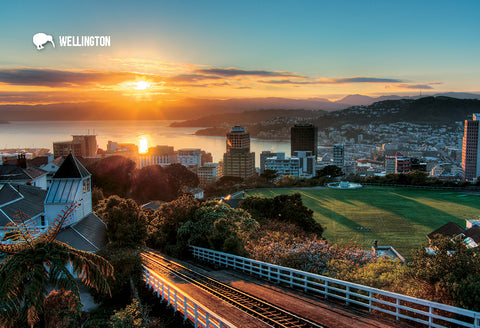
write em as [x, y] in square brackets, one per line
[260, 309]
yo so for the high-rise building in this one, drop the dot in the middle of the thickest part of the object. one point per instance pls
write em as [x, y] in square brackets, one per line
[238, 138]
[470, 149]
[263, 157]
[304, 137]
[238, 161]
[81, 145]
[339, 155]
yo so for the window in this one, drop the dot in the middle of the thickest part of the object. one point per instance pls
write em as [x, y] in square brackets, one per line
[86, 185]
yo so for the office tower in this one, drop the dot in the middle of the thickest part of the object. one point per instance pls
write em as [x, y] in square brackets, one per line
[470, 149]
[238, 161]
[339, 155]
[304, 137]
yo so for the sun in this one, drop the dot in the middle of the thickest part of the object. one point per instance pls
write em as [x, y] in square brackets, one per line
[141, 85]
[143, 145]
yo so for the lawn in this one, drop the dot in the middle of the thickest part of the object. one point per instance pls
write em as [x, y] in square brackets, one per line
[399, 217]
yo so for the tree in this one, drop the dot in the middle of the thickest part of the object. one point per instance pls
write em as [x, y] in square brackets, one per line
[331, 171]
[269, 175]
[288, 208]
[452, 268]
[35, 259]
[217, 226]
[164, 223]
[181, 177]
[126, 224]
[62, 309]
[113, 175]
[130, 317]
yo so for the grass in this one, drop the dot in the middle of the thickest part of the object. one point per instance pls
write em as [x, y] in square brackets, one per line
[398, 217]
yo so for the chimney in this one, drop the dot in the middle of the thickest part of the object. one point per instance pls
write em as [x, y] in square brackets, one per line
[21, 161]
[4, 160]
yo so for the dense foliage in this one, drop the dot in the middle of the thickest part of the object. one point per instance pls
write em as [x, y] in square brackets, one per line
[288, 208]
[126, 223]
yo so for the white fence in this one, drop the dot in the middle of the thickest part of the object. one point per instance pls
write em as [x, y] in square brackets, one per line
[191, 309]
[399, 306]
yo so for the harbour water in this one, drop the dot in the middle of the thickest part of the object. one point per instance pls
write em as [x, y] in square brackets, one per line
[42, 134]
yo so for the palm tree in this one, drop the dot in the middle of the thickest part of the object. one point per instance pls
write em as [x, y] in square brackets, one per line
[34, 259]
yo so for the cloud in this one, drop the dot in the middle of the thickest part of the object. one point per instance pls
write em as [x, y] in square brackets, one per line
[360, 79]
[192, 78]
[67, 78]
[233, 72]
[415, 86]
[289, 82]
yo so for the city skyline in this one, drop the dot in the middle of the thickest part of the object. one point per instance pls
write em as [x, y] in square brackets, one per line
[164, 53]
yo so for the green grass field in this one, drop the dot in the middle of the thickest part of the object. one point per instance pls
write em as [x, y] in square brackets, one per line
[399, 217]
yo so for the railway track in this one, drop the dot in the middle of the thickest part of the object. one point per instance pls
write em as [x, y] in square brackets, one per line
[260, 309]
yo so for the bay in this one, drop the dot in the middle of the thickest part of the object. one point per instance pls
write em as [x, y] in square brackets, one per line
[42, 134]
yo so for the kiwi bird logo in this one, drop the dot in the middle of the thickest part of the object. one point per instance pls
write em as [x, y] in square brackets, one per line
[40, 39]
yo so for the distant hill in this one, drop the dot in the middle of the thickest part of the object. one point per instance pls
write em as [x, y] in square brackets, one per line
[440, 110]
[189, 108]
[437, 110]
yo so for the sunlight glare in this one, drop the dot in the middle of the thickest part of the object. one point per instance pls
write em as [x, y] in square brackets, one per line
[141, 85]
[143, 145]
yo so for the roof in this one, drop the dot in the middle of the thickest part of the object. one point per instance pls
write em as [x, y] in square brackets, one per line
[16, 173]
[232, 202]
[62, 191]
[474, 233]
[88, 234]
[14, 197]
[71, 168]
[449, 229]
[39, 160]
[154, 205]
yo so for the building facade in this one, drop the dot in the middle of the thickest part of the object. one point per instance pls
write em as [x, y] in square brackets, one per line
[339, 156]
[238, 161]
[304, 137]
[470, 149]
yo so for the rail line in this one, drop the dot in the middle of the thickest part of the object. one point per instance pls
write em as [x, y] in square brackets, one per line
[260, 309]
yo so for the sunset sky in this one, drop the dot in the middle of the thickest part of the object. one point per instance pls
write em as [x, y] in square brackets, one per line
[165, 51]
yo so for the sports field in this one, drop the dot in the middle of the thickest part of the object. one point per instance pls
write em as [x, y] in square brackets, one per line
[398, 217]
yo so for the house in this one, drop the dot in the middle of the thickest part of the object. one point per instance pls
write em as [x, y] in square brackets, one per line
[71, 184]
[470, 235]
[23, 173]
[19, 197]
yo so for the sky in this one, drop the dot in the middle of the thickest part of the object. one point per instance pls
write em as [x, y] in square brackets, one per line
[167, 51]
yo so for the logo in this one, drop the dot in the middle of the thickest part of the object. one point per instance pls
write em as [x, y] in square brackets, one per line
[40, 39]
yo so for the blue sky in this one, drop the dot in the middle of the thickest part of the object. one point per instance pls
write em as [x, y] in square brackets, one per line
[434, 43]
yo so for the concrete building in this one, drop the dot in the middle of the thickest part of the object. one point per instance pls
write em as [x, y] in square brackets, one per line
[402, 164]
[158, 155]
[208, 173]
[307, 163]
[238, 161]
[190, 157]
[339, 156]
[304, 137]
[390, 164]
[263, 157]
[80, 145]
[283, 165]
[238, 138]
[470, 149]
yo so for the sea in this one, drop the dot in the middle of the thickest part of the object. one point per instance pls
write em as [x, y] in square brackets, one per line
[42, 134]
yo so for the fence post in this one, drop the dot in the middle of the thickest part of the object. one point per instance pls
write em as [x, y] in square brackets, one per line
[347, 295]
[326, 289]
[397, 309]
[305, 284]
[185, 308]
[370, 301]
[175, 299]
[207, 320]
[430, 318]
[269, 272]
[291, 278]
[163, 291]
[196, 315]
